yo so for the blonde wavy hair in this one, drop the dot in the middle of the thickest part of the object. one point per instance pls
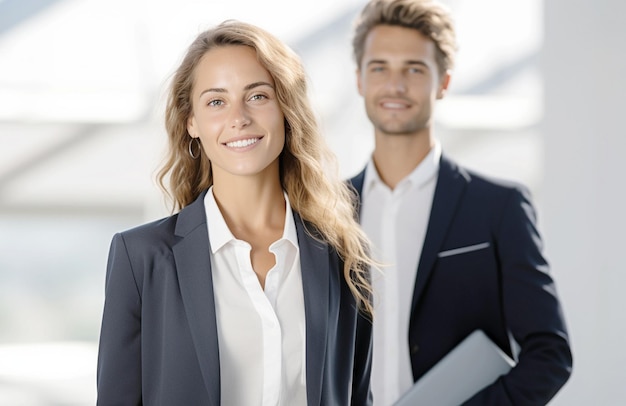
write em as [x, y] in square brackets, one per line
[308, 168]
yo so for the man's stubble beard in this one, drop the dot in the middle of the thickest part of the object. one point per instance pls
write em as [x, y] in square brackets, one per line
[397, 128]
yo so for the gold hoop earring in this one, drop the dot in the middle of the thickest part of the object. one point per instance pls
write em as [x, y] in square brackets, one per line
[191, 148]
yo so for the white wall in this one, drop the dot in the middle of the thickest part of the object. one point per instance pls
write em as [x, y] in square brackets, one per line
[584, 188]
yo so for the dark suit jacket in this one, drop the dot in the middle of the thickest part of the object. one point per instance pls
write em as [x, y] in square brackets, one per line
[499, 282]
[158, 341]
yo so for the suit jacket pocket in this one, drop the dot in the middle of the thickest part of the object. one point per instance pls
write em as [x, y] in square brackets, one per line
[464, 250]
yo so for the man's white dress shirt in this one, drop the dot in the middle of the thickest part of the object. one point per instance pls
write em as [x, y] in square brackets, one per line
[261, 333]
[396, 221]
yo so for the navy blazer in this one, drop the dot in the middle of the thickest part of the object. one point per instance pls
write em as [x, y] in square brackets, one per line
[482, 267]
[158, 341]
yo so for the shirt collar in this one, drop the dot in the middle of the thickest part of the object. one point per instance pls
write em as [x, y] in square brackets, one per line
[289, 232]
[220, 234]
[420, 175]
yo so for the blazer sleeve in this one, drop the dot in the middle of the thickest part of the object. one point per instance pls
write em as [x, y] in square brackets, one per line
[532, 313]
[361, 388]
[119, 353]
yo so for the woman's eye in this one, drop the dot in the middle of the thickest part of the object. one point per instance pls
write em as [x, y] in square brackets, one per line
[215, 102]
[258, 97]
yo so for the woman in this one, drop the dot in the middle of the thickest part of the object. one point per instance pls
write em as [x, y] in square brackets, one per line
[256, 291]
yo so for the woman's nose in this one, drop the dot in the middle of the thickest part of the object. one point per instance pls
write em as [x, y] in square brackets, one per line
[239, 117]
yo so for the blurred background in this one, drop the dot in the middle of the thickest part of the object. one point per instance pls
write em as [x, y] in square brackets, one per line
[537, 96]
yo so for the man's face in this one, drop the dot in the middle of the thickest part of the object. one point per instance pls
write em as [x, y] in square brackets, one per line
[399, 80]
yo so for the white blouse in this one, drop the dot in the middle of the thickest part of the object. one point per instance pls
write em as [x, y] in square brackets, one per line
[261, 333]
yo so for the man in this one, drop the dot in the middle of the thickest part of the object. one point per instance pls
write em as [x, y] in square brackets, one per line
[463, 250]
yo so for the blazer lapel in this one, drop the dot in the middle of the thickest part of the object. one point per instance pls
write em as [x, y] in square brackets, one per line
[315, 266]
[193, 266]
[451, 183]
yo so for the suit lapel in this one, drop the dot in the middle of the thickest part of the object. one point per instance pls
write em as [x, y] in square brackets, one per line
[357, 183]
[315, 268]
[450, 186]
[193, 266]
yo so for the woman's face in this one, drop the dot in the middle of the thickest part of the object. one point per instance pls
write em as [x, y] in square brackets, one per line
[236, 114]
